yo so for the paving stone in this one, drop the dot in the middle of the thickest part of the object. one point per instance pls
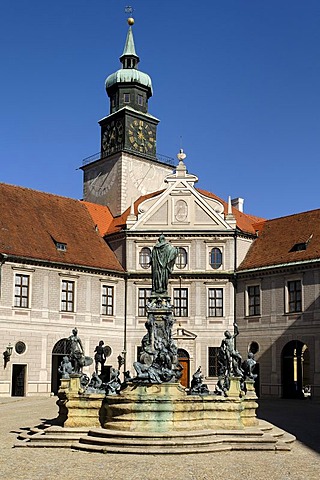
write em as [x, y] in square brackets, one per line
[302, 462]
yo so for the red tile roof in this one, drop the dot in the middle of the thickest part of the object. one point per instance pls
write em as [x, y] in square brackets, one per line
[32, 221]
[277, 237]
[120, 221]
[245, 222]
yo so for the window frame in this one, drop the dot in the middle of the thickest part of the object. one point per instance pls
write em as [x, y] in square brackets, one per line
[256, 306]
[219, 249]
[141, 254]
[126, 95]
[73, 292]
[295, 301]
[16, 303]
[107, 309]
[181, 266]
[178, 308]
[214, 299]
[143, 298]
[215, 356]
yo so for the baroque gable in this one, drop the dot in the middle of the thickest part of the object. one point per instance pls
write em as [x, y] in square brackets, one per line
[180, 206]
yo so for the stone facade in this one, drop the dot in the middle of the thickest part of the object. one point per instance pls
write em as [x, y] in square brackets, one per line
[287, 342]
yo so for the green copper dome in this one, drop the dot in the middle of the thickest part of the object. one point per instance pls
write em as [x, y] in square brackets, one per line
[129, 75]
[129, 72]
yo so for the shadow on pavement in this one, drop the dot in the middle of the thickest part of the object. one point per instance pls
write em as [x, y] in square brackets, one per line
[299, 417]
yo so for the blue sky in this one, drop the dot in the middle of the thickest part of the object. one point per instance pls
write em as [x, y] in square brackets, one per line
[237, 80]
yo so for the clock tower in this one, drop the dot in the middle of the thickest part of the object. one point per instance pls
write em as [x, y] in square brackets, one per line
[127, 165]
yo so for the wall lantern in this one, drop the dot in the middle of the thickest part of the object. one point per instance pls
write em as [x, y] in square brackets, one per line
[7, 354]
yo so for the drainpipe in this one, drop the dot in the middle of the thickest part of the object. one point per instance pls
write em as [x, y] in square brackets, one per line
[4, 257]
[125, 324]
[235, 284]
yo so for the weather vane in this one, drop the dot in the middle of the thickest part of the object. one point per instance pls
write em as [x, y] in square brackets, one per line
[128, 9]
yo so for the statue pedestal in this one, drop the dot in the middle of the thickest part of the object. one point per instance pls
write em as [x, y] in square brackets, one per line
[77, 409]
[248, 415]
[234, 390]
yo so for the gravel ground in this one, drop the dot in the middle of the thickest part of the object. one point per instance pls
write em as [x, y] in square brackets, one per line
[303, 462]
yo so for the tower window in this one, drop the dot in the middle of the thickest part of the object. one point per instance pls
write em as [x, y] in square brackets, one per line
[140, 100]
[126, 98]
[128, 63]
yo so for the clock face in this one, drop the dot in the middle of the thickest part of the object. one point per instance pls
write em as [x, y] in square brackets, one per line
[112, 138]
[142, 136]
[102, 182]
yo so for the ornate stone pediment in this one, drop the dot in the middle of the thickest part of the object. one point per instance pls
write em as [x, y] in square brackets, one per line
[180, 206]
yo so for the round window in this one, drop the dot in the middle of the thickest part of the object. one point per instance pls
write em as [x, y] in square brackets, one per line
[20, 347]
[254, 347]
[215, 258]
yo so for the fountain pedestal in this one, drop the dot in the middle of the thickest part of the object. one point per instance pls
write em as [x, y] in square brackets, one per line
[167, 407]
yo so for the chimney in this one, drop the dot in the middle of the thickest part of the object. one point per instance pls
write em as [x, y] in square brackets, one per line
[238, 203]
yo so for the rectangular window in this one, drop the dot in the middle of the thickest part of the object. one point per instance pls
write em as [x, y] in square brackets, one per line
[126, 98]
[140, 100]
[144, 295]
[67, 296]
[253, 300]
[21, 290]
[294, 296]
[215, 302]
[107, 300]
[213, 361]
[180, 302]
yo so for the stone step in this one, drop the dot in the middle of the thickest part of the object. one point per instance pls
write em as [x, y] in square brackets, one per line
[265, 437]
[219, 447]
[173, 443]
[102, 432]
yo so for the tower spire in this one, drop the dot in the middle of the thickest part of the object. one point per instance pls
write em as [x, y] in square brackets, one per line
[129, 58]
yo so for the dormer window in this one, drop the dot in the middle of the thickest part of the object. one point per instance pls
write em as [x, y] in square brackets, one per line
[301, 245]
[62, 247]
[298, 247]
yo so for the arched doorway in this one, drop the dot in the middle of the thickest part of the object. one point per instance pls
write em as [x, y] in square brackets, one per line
[59, 350]
[295, 369]
[184, 360]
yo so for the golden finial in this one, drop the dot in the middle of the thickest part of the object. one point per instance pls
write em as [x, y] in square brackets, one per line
[130, 21]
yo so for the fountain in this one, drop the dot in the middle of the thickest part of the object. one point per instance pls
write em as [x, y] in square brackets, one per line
[151, 412]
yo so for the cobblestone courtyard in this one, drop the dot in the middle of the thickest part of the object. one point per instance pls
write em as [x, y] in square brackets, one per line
[299, 417]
